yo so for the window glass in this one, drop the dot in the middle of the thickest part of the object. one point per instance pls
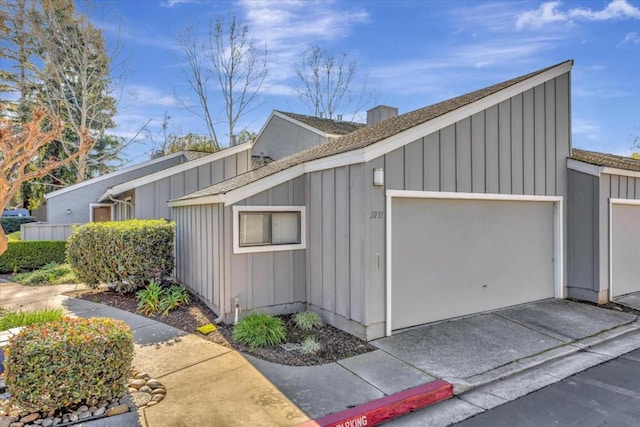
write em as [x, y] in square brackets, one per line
[255, 229]
[285, 227]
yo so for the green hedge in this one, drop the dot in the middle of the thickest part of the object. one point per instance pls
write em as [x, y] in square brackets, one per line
[27, 255]
[127, 254]
[59, 364]
[12, 223]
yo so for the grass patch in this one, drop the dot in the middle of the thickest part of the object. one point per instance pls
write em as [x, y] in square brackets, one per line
[14, 319]
[15, 236]
[51, 274]
[259, 330]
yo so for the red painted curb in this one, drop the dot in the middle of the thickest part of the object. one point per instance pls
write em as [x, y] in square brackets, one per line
[385, 408]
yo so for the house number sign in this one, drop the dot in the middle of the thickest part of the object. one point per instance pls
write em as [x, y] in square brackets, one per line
[377, 215]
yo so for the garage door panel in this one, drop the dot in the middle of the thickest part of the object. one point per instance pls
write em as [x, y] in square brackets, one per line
[625, 247]
[456, 257]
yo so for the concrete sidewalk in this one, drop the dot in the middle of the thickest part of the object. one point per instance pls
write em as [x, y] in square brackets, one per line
[207, 384]
[489, 358]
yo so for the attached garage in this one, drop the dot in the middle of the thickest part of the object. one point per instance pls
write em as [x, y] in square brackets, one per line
[604, 226]
[625, 246]
[455, 254]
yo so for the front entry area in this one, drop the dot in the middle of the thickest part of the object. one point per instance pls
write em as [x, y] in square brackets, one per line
[101, 213]
[455, 255]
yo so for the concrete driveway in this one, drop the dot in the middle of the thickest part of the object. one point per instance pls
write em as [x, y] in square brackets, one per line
[629, 300]
[474, 350]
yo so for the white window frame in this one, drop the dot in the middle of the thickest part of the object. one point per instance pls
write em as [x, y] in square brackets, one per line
[99, 205]
[237, 210]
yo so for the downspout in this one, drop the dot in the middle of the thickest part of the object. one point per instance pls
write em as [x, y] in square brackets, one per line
[221, 273]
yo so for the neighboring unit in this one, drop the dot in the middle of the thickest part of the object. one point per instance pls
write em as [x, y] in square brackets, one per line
[604, 226]
[445, 211]
[284, 134]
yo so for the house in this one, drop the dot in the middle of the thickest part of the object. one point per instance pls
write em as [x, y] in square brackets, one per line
[140, 191]
[285, 134]
[445, 211]
[604, 226]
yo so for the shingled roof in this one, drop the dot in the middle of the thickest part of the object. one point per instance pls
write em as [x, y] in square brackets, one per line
[607, 160]
[362, 137]
[329, 126]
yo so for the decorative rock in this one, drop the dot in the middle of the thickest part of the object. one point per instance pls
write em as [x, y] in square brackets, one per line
[84, 414]
[117, 410]
[16, 424]
[93, 402]
[112, 404]
[140, 399]
[82, 408]
[47, 422]
[137, 383]
[73, 416]
[154, 384]
[142, 375]
[29, 418]
[92, 409]
[145, 389]
[158, 397]
[51, 414]
[153, 402]
[131, 390]
[101, 410]
[159, 391]
[38, 422]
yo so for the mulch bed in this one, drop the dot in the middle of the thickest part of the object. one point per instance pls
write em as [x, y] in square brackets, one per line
[336, 344]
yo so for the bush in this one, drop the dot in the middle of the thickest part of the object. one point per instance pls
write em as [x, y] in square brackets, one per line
[259, 330]
[69, 362]
[29, 255]
[307, 320]
[11, 224]
[127, 254]
[14, 319]
[50, 274]
[155, 298]
[15, 236]
[310, 345]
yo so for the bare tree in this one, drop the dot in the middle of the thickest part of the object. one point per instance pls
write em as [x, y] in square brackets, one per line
[230, 57]
[76, 83]
[19, 145]
[326, 83]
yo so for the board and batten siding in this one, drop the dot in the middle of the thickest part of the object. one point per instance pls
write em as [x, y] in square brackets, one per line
[197, 246]
[271, 281]
[150, 200]
[519, 146]
[588, 233]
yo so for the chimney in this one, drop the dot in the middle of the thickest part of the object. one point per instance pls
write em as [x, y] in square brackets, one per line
[380, 113]
[339, 118]
[232, 140]
[157, 154]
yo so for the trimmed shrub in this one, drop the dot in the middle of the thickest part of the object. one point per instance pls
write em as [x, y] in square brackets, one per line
[27, 255]
[11, 224]
[126, 254]
[55, 365]
[259, 330]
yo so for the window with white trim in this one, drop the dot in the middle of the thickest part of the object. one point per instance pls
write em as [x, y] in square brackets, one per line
[268, 228]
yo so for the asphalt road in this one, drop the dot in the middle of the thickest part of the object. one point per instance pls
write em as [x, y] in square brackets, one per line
[605, 395]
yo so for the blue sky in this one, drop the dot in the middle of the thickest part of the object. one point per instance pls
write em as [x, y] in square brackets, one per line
[413, 53]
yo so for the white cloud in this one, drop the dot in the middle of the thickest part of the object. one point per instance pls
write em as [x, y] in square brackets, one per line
[550, 13]
[171, 3]
[585, 129]
[146, 95]
[630, 38]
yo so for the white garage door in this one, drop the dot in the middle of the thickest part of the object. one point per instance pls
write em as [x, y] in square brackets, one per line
[625, 247]
[454, 257]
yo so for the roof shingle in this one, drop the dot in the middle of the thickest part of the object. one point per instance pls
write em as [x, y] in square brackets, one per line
[362, 137]
[607, 160]
[329, 126]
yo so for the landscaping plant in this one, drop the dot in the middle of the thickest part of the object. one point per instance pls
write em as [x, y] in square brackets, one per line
[59, 364]
[259, 330]
[27, 255]
[310, 345]
[50, 274]
[155, 298]
[127, 254]
[307, 320]
[14, 319]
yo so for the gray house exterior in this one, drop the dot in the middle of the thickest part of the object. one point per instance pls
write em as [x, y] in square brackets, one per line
[285, 134]
[142, 191]
[604, 226]
[452, 209]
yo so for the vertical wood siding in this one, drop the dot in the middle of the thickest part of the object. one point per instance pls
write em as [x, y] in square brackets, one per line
[151, 199]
